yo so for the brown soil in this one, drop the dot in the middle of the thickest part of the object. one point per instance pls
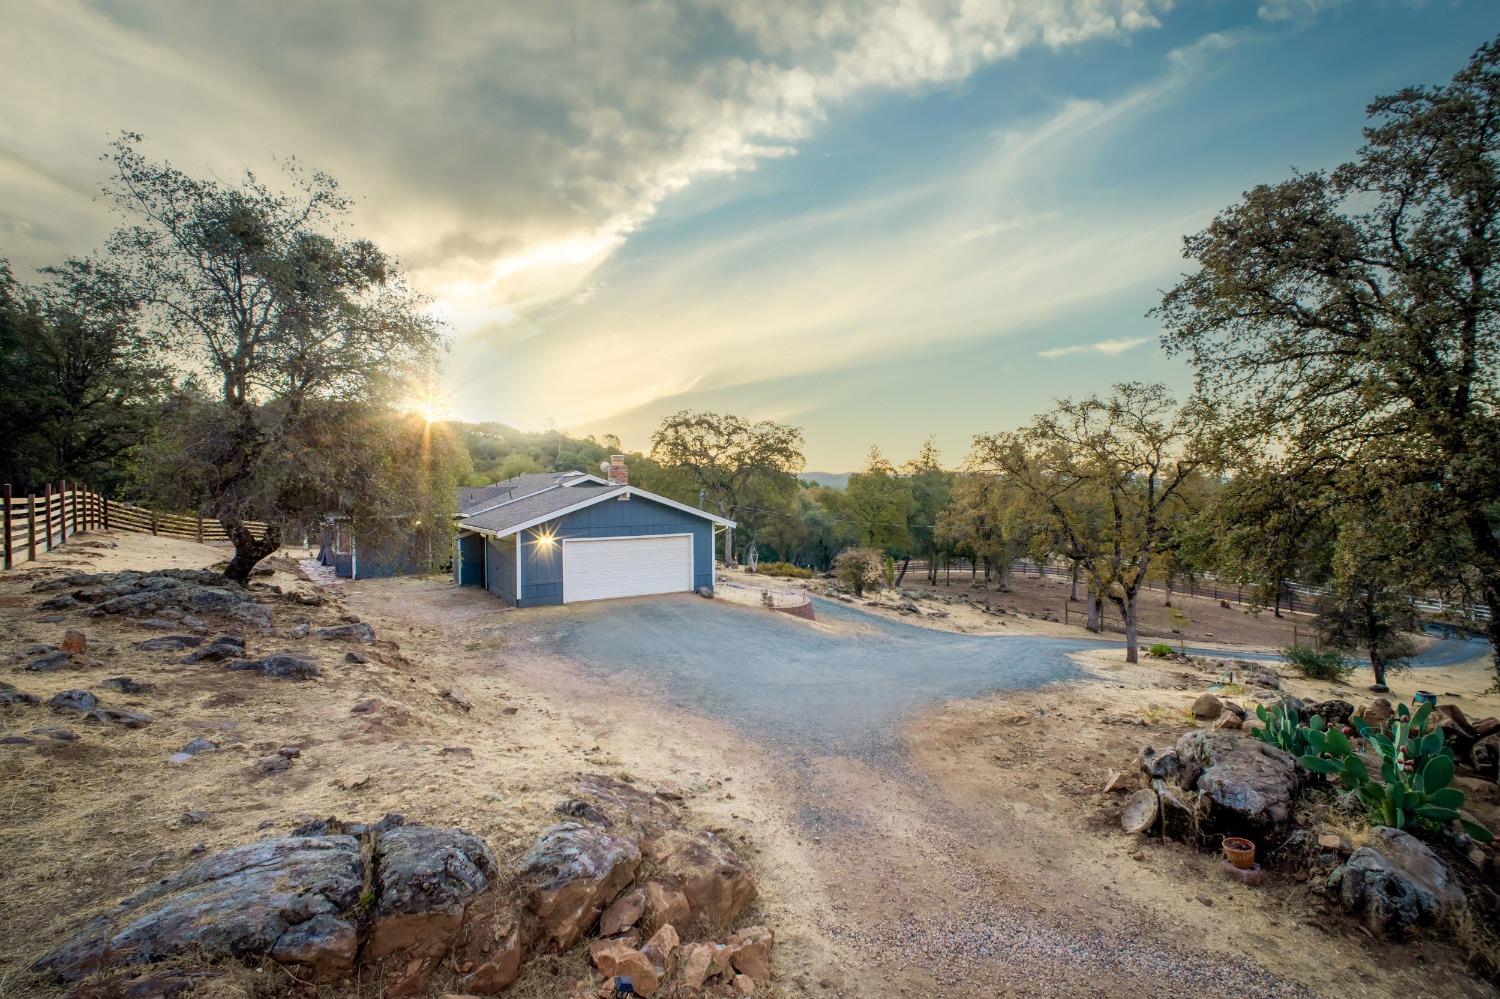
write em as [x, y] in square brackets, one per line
[989, 863]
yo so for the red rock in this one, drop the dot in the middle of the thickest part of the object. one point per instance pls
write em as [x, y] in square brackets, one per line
[621, 959]
[697, 959]
[717, 883]
[623, 913]
[662, 947]
[570, 873]
[750, 951]
[744, 985]
[75, 642]
[665, 905]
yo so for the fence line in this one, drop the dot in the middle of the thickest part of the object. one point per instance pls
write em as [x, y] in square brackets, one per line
[38, 523]
[1295, 597]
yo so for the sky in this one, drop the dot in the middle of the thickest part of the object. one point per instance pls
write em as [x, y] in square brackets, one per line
[878, 220]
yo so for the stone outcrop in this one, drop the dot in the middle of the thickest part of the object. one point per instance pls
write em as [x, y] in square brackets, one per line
[160, 593]
[300, 900]
[716, 883]
[1251, 785]
[282, 666]
[571, 873]
[1395, 883]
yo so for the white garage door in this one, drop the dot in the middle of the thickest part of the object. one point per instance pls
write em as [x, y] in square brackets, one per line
[600, 568]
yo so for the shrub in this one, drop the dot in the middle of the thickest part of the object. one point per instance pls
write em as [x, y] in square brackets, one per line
[860, 569]
[1318, 664]
[785, 569]
[1416, 771]
[1160, 650]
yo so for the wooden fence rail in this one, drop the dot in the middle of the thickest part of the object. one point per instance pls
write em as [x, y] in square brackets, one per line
[40, 522]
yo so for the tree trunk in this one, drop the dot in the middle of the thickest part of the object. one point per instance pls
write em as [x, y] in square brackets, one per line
[1132, 646]
[1096, 613]
[1169, 590]
[1377, 664]
[1276, 600]
[1073, 592]
[248, 550]
[1005, 570]
[902, 574]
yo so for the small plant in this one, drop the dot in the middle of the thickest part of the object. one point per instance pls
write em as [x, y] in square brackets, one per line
[785, 569]
[1416, 771]
[1282, 727]
[1160, 650]
[859, 569]
[1318, 664]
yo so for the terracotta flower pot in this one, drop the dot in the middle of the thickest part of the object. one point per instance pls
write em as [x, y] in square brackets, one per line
[1240, 852]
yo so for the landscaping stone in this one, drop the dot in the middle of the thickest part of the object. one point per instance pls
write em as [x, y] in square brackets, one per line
[717, 883]
[170, 643]
[1335, 712]
[73, 700]
[120, 716]
[1251, 785]
[749, 951]
[75, 642]
[1395, 882]
[1207, 707]
[51, 662]
[1159, 766]
[1485, 757]
[220, 649]
[665, 905]
[427, 878]
[623, 913]
[125, 685]
[618, 958]
[1140, 812]
[356, 632]
[12, 697]
[1377, 712]
[282, 666]
[570, 873]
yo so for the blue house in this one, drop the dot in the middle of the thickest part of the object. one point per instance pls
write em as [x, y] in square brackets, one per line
[583, 538]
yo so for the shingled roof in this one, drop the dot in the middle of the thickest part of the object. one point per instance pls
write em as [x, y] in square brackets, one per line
[529, 508]
[475, 498]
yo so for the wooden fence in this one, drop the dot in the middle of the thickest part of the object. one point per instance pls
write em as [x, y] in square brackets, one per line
[40, 522]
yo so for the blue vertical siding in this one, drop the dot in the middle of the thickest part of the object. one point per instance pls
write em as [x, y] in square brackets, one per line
[541, 568]
[500, 568]
[468, 560]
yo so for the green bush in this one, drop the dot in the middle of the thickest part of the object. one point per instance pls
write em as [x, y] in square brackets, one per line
[1160, 650]
[1318, 664]
[859, 569]
[785, 569]
[1416, 771]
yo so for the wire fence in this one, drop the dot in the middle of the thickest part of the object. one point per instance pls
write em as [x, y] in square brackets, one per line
[37, 523]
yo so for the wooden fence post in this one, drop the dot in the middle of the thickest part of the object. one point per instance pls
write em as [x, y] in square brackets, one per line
[49, 515]
[153, 523]
[106, 513]
[9, 561]
[31, 527]
[200, 529]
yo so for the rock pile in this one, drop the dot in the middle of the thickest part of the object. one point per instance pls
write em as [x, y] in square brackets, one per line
[1215, 781]
[1395, 883]
[404, 900]
[170, 594]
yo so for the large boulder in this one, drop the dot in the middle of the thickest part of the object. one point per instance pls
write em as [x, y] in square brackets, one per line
[427, 878]
[1484, 755]
[570, 874]
[1395, 882]
[289, 898]
[1250, 785]
[716, 882]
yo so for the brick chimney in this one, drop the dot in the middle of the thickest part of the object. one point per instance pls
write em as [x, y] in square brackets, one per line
[619, 475]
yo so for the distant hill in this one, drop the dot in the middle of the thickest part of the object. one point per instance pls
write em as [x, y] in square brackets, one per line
[830, 480]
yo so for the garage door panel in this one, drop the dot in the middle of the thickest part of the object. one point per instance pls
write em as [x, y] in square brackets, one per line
[626, 567]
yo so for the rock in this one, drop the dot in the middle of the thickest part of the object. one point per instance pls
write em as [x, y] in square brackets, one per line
[662, 948]
[73, 700]
[170, 643]
[12, 697]
[75, 642]
[1485, 756]
[750, 951]
[1140, 812]
[1232, 708]
[623, 913]
[298, 630]
[49, 663]
[357, 658]
[223, 648]
[1377, 712]
[178, 759]
[355, 632]
[1229, 720]
[151, 985]
[428, 876]
[696, 964]
[125, 685]
[621, 959]
[368, 706]
[1486, 726]
[1261, 676]
[273, 764]
[1159, 766]
[199, 745]
[260, 898]
[56, 734]
[1207, 707]
[744, 985]
[494, 944]
[458, 698]
[282, 666]
[1251, 785]
[1395, 883]
[717, 883]
[665, 906]
[1456, 728]
[120, 716]
[570, 873]
[1117, 782]
[1335, 712]
[50, 619]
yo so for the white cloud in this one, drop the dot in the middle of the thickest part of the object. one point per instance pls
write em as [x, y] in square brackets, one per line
[1295, 10]
[1107, 347]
